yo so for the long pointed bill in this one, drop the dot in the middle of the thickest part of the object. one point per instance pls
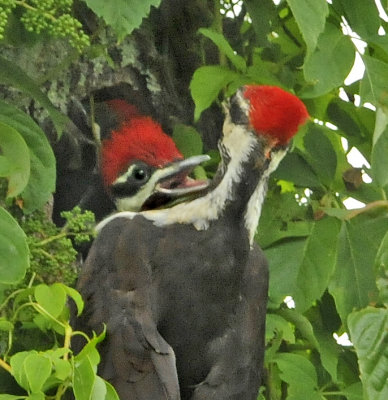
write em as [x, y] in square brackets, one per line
[173, 182]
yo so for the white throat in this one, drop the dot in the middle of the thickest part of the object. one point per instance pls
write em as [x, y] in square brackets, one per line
[239, 144]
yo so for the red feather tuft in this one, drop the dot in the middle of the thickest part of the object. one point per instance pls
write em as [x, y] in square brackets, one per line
[275, 112]
[141, 139]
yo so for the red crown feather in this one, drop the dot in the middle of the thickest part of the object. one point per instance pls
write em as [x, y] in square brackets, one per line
[141, 139]
[275, 112]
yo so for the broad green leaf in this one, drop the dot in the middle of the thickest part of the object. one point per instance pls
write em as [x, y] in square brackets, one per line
[11, 74]
[37, 369]
[76, 297]
[379, 159]
[302, 324]
[294, 168]
[356, 124]
[330, 63]
[14, 151]
[284, 259]
[310, 16]
[14, 259]
[17, 365]
[362, 16]
[89, 350]
[188, 140]
[276, 323]
[11, 397]
[36, 396]
[296, 370]
[317, 264]
[99, 389]
[111, 393]
[84, 378]
[42, 171]
[51, 298]
[369, 335]
[320, 155]
[353, 284]
[62, 369]
[354, 392]
[219, 40]
[262, 13]
[124, 16]
[381, 270]
[207, 83]
[5, 325]
[374, 84]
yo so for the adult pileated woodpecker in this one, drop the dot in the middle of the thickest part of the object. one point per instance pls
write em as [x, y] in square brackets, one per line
[183, 291]
[139, 167]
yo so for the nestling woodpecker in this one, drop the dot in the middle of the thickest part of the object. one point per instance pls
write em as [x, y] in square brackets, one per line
[183, 290]
[139, 168]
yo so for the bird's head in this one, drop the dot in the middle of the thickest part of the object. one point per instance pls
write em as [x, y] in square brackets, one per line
[140, 164]
[270, 113]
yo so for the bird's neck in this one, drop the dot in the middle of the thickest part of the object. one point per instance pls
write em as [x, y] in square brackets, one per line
[238, 189]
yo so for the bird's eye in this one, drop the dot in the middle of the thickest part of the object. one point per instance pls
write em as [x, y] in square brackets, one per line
[139, 174]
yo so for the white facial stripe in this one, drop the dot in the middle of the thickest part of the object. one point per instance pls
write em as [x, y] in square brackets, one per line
[134, 203]
[239, 144]
[255, 203]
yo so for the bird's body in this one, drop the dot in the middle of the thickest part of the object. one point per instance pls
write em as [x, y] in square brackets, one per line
[183, 291]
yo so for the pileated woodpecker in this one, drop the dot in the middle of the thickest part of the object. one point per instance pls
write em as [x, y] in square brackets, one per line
[139, 167]
[183, 291]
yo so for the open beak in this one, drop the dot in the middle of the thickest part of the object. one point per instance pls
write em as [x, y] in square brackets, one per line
[174, 182]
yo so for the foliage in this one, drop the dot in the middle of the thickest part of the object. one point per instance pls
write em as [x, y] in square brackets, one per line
[328, 264]
[329, 260]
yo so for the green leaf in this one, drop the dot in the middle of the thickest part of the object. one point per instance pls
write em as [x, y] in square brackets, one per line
[77, 298]
[275, 323]
[14, 259]
[362, 16]
[284, 259]
[317, 264]
[11, 74]
[381, 268]
[111, 393]
[10, 397]
[5, 325]
[37, 368]
[206, 84]
[329, 65]
[62, 369]
[36, 396]
[353, 284]
[310, 15]
[17, 365]
[294, 168]
[99, 389]
[374, 85]
[188, 140]
[15, 155]
[369, 335]
[124, 16]
[354, 392]
[84, 378]
[320, 155]
[219, 40]
[296, 370]
[89, 350]
[42, 170]
[262, 13]
[51, 298]
[379, 159]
